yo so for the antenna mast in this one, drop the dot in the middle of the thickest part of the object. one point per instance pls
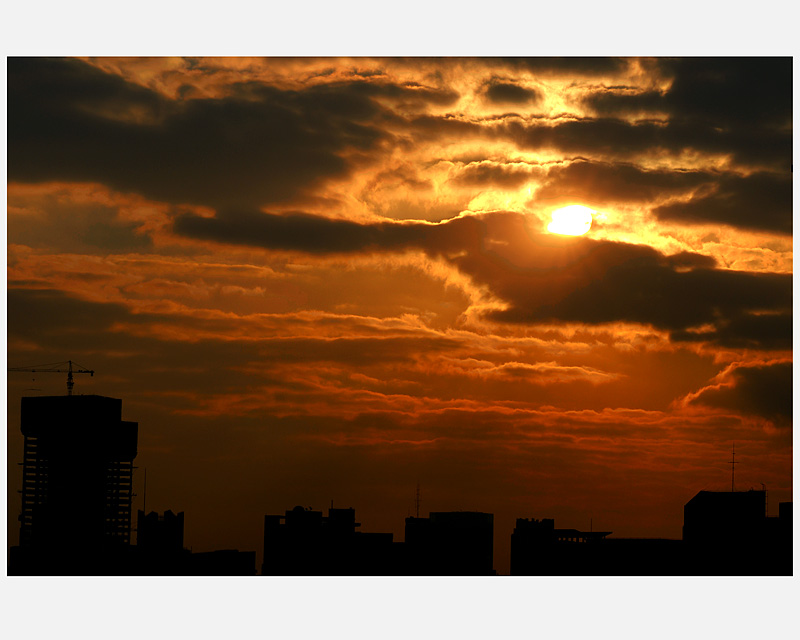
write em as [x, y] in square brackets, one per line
[733, 462]
[416, 501]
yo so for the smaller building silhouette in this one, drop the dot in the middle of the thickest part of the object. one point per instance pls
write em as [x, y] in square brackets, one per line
[450, 543]
[539, 549]
[729, 533]
[162, 534]
[159, 544]
[303, 542]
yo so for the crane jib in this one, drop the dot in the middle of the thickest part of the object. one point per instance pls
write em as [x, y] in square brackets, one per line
[55, 368]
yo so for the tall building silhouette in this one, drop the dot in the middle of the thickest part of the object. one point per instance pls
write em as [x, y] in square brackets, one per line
[77, 481]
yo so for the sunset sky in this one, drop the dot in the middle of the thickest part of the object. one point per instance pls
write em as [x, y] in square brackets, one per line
[330, 279]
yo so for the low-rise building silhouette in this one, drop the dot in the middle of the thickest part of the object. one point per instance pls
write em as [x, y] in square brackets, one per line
[724, 533]
[303, 542]
[159, 534]
[539, 549]
[159, 544]
[450, 543]
[729, 533]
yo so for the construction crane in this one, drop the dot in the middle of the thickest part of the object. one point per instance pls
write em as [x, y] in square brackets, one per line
[55, 367]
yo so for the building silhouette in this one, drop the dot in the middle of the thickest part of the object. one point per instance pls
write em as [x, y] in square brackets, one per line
[159, 534]
[159, 547]
[303, 542]
[539, 549]
[724, 533]
[450, 543]
[729, 533]
[159, 551]
[77, 484]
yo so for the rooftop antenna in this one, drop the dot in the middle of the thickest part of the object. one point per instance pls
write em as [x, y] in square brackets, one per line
[733, 462]
[144, 506]
[416, 501]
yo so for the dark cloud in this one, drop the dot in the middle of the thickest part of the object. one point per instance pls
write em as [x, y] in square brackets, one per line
[643, 290]
[585, 280]
[542, 277]
[581, 66]
[760, 201]
[749, 92]
[74, 228]
[72, 121]
[608, 135]
[574, 65]
[501, 92]
[619, 139]
[307, 233]
[745, 331]
[609, 138]
[54, 316]
[612, 101]
[741, 106]
[300, 232]
[729, 92]
[498, 175]
[620, 182]
[763, 390]
[443, 126]
[407, 93]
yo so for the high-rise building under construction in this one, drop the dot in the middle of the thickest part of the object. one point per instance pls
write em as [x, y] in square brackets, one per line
[77, 474]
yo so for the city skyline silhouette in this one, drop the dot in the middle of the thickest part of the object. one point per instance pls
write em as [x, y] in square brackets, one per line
[76, 519]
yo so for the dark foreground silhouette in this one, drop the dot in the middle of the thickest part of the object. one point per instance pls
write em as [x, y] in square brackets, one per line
[76, 520]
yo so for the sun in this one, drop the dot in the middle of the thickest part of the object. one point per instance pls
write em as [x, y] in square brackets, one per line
[574, 220]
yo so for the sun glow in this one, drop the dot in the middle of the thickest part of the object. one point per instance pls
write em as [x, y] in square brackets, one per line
[574, 220]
